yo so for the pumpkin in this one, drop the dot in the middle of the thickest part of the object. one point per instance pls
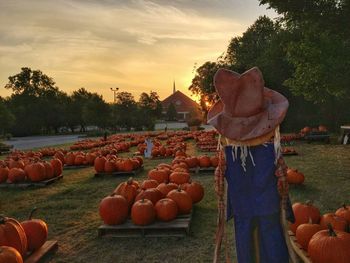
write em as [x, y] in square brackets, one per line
[36, 172]
[166, 209]
[4, 172]
[152, 194]
[143, 212]
[140, 160]
[10, 255]
[344, 212]
[165, 188]
[214, 160]
[57, 166]
[159, 175]
[126, 165]
[12, 234]
[322, 128]
[109, 166]
[330, 246]
[114, 209]
[128, 190]
[69, 158]
[90, 158]
[49, 172]
[180, 153]
[79, 160]
[148, 184]
[182, 199]
[16, 175]
[36, 231]
[337, 223]
[195, 190]
[192, 162]
[204, 161]
[305, 232]
[16, 164]
[294, 176]
[99, 164]
[179, 177]
[303, 212]
[59, 155]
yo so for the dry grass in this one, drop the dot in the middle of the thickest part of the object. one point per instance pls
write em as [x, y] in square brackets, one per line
[70, 207]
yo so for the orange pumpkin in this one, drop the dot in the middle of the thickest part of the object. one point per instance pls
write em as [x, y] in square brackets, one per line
[153, 194]
[10, 255]
[128, 190]
[294, 176]
[305, 232]
[204, 161]
[165, 188]
[110, 166]
[57, 166]
[49, 172]
[182, 199]
[16, 175]
[195, 190]
[330, 246]
[36, 231]
[69, 158]
[36, 172]
[166, 209]
[114, 209]
[12, 234]
[179, 177]
[99, 164]
[143, 212]
[337, 223]
[126, 165]
[159, 175]
[214, 160]
[344, 212]
[303, 212]
[148, 184]
[4, 172]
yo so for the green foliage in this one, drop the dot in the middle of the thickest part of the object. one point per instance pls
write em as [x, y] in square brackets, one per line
[7, 119]
[171, 113]
[304, 54]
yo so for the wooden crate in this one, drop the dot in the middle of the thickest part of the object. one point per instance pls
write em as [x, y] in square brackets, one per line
[42, 253]
[290, 154]
[302, 254]
[73, 167]
[132, 173]
[30, 184]
[179, 227]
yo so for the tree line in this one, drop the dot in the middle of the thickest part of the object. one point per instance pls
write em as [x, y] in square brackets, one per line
[304, 53]
[38, 106]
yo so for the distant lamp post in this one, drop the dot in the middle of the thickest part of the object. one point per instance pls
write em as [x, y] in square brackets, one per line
[115, 90]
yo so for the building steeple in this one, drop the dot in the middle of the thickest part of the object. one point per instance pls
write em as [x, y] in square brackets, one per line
[174, 89]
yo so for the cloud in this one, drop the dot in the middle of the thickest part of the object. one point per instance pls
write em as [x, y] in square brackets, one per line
[139, 44]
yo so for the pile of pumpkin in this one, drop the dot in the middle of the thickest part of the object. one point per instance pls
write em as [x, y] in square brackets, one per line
[326, 238]
[34, 170]
[112, 163]
[288, 150]
[17, 240]
[307, 129]
[167, 193]
[160, 150]
[202, 161]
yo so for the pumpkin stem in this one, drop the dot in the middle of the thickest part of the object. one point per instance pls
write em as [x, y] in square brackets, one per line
[345, 207]
[179, 188]
[130, 180]
[32, 212]
[331, 231]
[308, 202]
[2, 219]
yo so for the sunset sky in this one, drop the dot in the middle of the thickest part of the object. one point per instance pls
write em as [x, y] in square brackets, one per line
[136, 45]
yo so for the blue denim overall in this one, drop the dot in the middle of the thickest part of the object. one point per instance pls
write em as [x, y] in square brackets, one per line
[253, 200]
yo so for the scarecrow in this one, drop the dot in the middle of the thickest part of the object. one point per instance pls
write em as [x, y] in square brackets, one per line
[247, 117]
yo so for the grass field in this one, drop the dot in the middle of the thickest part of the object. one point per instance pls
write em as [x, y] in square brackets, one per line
[70, 207]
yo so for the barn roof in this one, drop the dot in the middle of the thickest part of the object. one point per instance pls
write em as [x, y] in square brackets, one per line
[181, 102]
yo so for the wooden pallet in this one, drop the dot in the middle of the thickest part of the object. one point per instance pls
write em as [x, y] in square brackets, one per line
[73, 167]
[30, 184]
[179, 227]
[42, 253]
[132, 173]
[198, 170]
[302, 254]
